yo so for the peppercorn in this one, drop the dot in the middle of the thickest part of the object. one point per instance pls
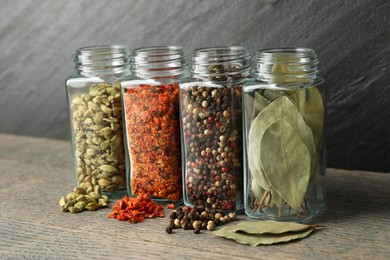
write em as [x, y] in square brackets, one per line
[214, 123]
[173, 215]
[210, 225]
[168, 229]
[198, 218]
[204, 225]
[176, 222]
[218, 216]
[180, 215]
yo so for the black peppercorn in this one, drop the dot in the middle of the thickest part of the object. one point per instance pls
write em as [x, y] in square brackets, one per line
[168, 229]
[173, 215]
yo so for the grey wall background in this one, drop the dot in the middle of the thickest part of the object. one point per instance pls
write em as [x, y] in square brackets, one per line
[351, 38]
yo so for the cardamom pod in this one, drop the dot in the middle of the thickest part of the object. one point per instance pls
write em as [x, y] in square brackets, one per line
[92, 206]
[108, 168]
[62, 201]
[81, 198]
[73, 195]
[102, 202]
[80, 205]
[74, 209]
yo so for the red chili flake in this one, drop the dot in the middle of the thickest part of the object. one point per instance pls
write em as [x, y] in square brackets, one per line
[136, 209]
[153, 133]
[171, 206]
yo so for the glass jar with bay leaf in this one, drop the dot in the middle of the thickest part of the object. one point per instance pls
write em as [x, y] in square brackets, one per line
[211, 128]
[151, 117]
[284, 122]
[95, 113]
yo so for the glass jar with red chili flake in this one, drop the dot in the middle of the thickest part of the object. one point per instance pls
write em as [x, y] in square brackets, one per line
[95, 113]
[152, 127]
[211, 128]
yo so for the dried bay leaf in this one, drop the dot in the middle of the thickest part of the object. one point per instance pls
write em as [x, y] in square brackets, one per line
[282, 108]
[257, 189]
[259, 104]
[286, 162]
[255, 240]
[260, 239]
[273, 95]
[270, 227]
[311, 106]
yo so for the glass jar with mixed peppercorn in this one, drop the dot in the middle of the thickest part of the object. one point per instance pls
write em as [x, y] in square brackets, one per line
[151, 118]
[285, 157]
[95, 111]
[211, 128]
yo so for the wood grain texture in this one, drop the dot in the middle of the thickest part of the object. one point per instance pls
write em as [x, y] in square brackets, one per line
[351, 38]
[36, 172]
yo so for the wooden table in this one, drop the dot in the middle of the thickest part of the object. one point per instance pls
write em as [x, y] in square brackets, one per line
[36, 172]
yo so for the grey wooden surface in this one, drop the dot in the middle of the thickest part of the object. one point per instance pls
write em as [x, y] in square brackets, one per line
[36, 172]
[352, 39]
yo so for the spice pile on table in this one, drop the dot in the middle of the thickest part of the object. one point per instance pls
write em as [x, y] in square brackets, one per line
[136, 209]
[197, 218]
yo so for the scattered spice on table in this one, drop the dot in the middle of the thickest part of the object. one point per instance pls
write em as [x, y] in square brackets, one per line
[85, 196]
[171, 206]
[197, 218]
[136, 209]
[153, 134]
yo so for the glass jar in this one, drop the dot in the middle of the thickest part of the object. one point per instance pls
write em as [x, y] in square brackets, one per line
[211, 128]
[96, 117]
[284, 122]
[151, 113]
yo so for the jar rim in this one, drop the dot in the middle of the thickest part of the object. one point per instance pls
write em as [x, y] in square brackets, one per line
[283, 65]
[276, 55]
[164, 50]
[220, 53]
[96, 49]
[102, 60]
[297, 50]
[159, 62]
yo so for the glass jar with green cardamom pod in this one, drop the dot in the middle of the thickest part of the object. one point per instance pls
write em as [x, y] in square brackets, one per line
[211, 128]
[95, 111]
[284, 131]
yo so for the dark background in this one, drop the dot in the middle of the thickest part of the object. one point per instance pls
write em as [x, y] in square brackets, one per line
[351, 38]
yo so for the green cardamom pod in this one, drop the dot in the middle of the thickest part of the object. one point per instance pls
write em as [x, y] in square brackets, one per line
[92, 206]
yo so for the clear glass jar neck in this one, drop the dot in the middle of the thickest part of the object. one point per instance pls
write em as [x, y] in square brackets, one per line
[285, 66]
[105, 60]
[223, 64]
[160, 62]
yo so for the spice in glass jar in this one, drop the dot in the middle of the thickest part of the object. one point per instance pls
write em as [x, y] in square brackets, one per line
[152, 122]
[211, 125]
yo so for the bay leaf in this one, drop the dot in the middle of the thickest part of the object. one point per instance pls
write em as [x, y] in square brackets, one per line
[311, 106]
[286, 162]
[272, 95]
[282, 108]
[259, 104]
[270, 227]
[257, 189]
[262, 239]
[277, 200]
